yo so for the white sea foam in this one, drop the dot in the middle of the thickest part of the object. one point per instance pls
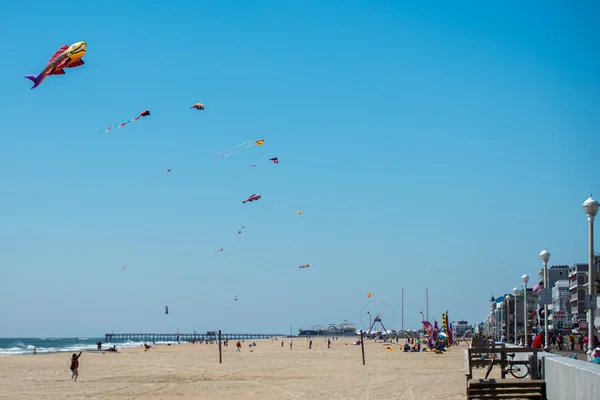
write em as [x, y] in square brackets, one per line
[20, 348]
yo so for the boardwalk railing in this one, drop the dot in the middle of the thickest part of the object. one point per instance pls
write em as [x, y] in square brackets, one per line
[185, 337]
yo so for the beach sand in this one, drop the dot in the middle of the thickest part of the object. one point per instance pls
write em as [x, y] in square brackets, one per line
[192, 371]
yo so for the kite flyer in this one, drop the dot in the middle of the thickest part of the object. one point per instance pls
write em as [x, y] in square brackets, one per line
[74, 366]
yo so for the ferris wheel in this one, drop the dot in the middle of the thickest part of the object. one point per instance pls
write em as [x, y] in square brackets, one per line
[377, 312]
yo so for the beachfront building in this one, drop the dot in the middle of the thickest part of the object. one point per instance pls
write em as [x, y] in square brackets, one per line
[597, 284]
[566, 314]
[462, 328]
[560, 309]
[532, 320]
[555, 273]
[487, 327]
[577, 289]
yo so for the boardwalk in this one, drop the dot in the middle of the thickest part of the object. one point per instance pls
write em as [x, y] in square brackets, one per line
[185, 337]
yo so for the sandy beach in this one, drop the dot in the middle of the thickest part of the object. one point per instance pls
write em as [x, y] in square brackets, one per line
[192, 371]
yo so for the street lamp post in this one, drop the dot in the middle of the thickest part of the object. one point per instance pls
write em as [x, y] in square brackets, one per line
[545, 256]
[496, 323]
[507, 316]
[525, 279]
[492, 319]
[501, 320]
[590, 206]
[516, 292]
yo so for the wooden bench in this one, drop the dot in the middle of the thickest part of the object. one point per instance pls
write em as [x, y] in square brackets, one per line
[474, 353]
[531, 388]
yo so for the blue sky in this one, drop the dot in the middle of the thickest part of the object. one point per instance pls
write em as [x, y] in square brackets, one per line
[439, 145]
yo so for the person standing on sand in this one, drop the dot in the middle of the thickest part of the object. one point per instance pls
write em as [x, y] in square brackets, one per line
[75, 366]
[310, 344]
[290, 344]
[281, 342]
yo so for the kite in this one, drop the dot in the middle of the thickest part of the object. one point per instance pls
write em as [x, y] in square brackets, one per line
[304, 266]
[218, 251]
[369, 294]
[166, 309]
[65, 57]
[252, 198]
[198, 106]
[169, 170]
[122, 268]
[235, 298]
[241, 147]
[253, 165]
[274, 160]
[144, 113]
[299, 212]
[240, 231]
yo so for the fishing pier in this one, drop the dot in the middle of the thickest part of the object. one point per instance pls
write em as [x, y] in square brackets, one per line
[184, 337]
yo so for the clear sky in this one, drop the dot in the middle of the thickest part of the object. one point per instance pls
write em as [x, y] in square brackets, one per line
[436, 145]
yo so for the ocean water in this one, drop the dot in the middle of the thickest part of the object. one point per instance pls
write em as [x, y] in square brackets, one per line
[17, 346]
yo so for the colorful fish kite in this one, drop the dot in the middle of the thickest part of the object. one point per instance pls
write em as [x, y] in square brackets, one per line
[65, 57]
[274, 160]
[198, 106]
[144, 113]
[218, 251]
[252, 198]
[304, 266]
[241, 147]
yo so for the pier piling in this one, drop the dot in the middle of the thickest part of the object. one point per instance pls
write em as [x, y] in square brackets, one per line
[184, 337]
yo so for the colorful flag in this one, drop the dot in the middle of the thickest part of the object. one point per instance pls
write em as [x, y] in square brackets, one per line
[427, 326]
[450, 333]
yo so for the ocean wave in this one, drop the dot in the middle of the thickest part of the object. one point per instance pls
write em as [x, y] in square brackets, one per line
[23, 349]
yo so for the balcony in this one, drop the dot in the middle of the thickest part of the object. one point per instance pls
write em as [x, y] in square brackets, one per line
[574, 297]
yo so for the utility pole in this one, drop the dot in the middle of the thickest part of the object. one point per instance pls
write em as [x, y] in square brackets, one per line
[402, 309]
[427, 303]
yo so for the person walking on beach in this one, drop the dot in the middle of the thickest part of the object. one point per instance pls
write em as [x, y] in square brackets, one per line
[239, 347]
[328, 343]
[310, 344]
[290, 344]
[75, 366]
[281, 342]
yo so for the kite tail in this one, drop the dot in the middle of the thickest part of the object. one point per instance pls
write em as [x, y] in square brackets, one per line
[238, 149]
[34, 79]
